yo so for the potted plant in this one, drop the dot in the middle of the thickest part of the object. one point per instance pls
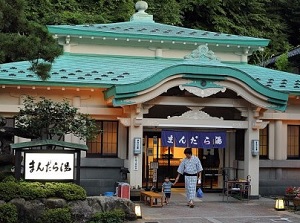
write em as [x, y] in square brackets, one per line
[290, 194]
[296, 201]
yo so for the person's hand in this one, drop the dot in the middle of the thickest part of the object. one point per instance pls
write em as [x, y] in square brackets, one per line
[199, 181]
[176, 180]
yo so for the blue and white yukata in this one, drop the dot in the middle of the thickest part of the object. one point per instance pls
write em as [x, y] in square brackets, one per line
[190, 169]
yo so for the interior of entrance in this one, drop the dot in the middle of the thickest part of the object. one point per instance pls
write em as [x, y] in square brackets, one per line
[162, 161]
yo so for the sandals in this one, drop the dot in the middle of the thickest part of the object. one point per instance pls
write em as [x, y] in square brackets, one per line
[191, 205]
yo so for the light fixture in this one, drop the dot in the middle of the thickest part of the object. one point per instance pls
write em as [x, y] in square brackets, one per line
[279, 204]
[138, 211]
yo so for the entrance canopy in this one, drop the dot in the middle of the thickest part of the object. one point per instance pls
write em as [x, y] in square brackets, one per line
[206, 140]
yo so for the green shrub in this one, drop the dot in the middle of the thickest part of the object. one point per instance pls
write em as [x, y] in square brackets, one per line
[56, 215]
[67, 191]
[8, 213]
[9, 178]
[9, 190]
[115, 216]
[34, 190]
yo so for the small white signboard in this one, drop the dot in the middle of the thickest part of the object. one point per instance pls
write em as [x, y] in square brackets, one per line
[154, 175]
[49, 166]
[135, 163]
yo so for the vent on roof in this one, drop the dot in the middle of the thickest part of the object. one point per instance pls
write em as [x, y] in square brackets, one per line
[13, 68]
[120, 76]
[268, 85]
[78, 71]
[29, 75]
[71, 74]
[80, 78]
[271, 79]
[192, 33]
[114, 79]
[110, 72]
[104, 75]
[180, 32]
[12, 75]
[64, 77]
[21, 72]
[55, 73]
[282, 85]
[126, 29]
[258, 79]
[62, 70]
[125, 73]
[4, 70]
[296, 86]
[97, 79]
[87, 75]
[95, 72]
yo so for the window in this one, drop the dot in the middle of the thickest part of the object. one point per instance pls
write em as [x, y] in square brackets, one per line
[293, 142]
[264, 143]
[106, 143]
[7, 138]
[239, 142]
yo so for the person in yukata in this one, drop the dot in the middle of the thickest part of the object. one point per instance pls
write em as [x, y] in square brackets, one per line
[191, 168]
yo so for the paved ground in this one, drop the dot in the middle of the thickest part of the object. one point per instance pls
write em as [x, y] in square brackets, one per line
[212, 209]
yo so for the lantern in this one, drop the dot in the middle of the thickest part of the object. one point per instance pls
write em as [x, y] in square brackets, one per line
[279, 204]
[138, 211]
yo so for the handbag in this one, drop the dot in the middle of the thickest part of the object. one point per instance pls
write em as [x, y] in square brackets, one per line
[199, 193]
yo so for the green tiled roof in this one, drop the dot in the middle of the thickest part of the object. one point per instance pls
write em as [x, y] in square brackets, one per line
[106, 71]
[154, 31]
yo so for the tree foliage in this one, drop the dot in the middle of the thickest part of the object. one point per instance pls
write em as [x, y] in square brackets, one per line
[21, 39]
[24, 37]
[45, 119]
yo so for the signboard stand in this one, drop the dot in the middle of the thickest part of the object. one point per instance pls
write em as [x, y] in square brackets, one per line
[55, 165]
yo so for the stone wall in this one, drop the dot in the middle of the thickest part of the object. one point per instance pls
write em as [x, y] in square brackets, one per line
[81, 210]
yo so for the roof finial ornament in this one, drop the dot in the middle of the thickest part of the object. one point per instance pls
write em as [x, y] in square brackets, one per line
[141, 6]
[202, 53]
[141, 15]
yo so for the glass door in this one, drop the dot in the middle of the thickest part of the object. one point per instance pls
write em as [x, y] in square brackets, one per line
[162, 161]
[212, 162]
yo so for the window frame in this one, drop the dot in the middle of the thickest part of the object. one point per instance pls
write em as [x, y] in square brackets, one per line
[264, 147]
[102, 142]
[293, 138]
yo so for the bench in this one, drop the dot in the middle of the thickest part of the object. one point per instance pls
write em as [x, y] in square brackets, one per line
[152, 198]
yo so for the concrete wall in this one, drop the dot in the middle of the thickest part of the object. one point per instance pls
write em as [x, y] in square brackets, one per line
[99, 175]
[276, 175]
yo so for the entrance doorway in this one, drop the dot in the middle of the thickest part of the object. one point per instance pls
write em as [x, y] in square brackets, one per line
[159, 161]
